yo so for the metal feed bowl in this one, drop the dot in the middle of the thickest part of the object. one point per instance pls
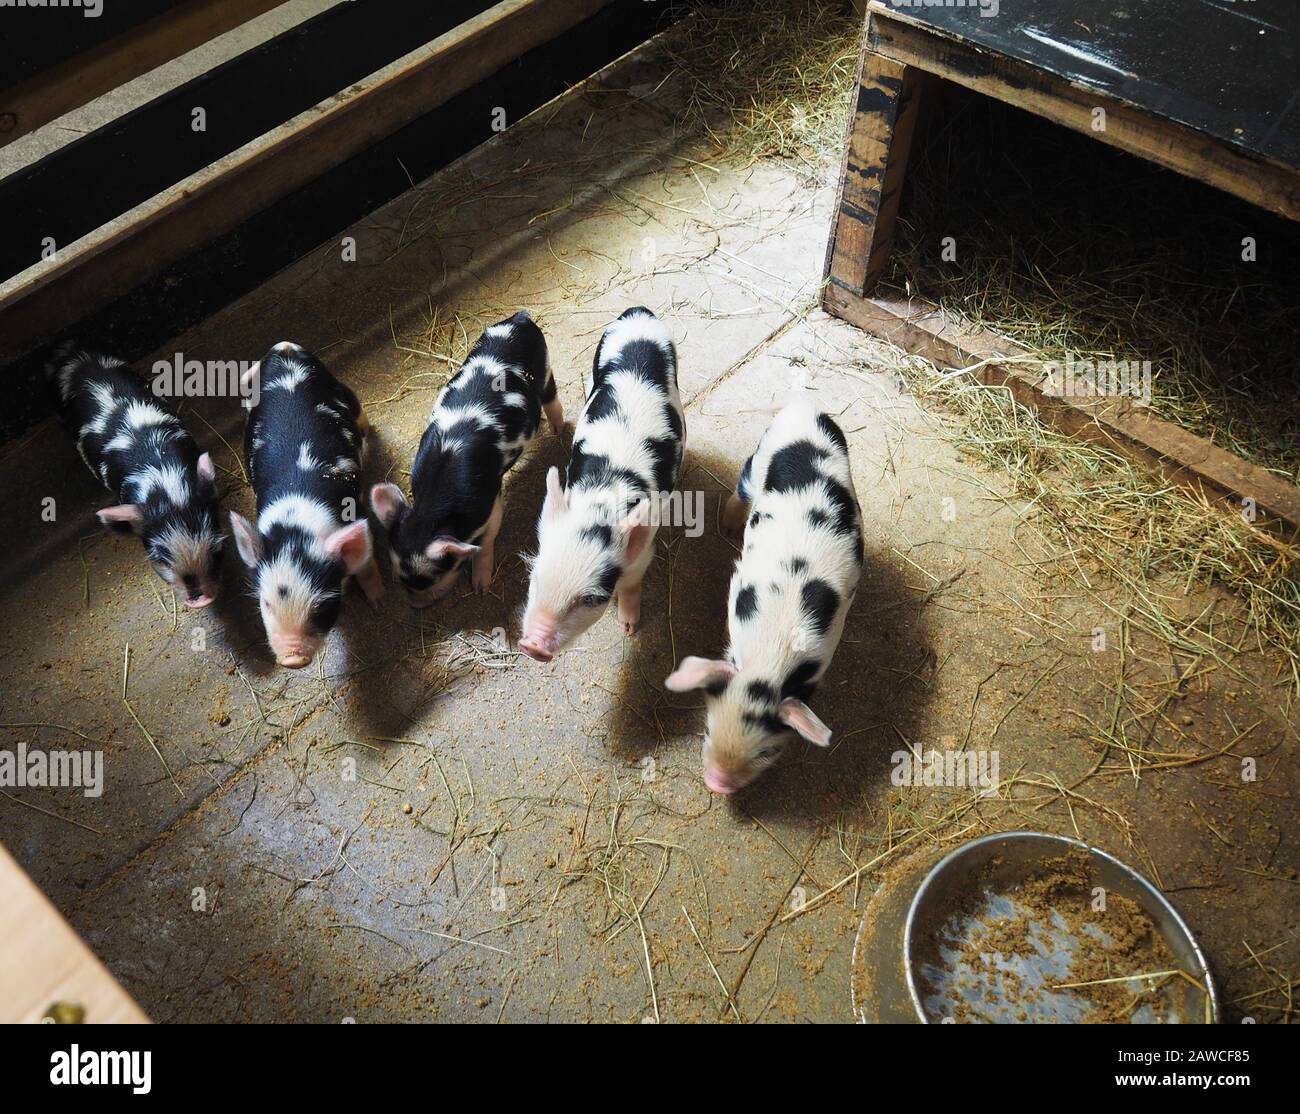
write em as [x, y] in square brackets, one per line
[909, 926]
[976, 877]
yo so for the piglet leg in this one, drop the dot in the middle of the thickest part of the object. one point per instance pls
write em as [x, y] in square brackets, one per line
[372, 584]
[483, 565]
[629, 607]
[554, 415]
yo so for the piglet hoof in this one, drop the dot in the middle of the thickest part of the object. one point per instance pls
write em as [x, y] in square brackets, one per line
[555, 416]
[629, 609]
[481, 577]
[372, 587]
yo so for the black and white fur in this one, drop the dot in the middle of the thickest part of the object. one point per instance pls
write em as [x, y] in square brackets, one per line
[138, 448]
[790, 593]
[481, 422]
[304, 443]
[596, 532]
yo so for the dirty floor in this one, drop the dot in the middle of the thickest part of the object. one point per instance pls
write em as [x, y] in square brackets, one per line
[430, 826]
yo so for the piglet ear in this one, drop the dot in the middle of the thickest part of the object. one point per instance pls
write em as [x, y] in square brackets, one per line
[247, 540]
[795, 713]
[388, 502]
[636, 531]
[207, 471]
[351, 545]
[124, 517]
[448, 547]
[557, 502]
[699, 673]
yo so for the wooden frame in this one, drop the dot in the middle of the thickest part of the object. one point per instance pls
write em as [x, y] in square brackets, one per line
[899, 58]
[118, 256]
[906, 41]
[44, 961]
[875, 161]
[921, 327]
[37, 101]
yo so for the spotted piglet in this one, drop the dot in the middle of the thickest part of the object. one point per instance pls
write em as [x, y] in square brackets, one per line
[138, 448]
[790, 593]
[595, 537]
[481, 422]
[304, 442]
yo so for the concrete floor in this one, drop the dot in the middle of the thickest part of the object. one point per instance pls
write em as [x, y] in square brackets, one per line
[561, 857]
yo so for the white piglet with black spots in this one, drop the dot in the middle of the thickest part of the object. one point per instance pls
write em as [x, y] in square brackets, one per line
[304, 443]
[138, 449]
[790, 594]
[481, 423]
[596, 533]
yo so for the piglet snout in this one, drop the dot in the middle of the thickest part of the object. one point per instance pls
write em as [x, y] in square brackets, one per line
[719, 782]
[539, 647]
[201, 600]
[293, 653]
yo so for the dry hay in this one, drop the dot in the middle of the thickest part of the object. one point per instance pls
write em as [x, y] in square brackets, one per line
[770, 77]
[1067, 246]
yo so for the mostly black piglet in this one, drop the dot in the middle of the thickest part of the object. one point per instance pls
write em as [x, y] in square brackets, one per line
[481, 422]
[139, 449]
[304, 442]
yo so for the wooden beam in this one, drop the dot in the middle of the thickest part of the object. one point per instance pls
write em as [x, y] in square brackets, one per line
[90, 273]
[48, 95]
[909, 42]
[44, 961]
[1180, 456]
[881, 124]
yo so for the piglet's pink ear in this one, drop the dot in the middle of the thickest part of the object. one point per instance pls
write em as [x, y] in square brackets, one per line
[698, 673]
[387, 501]
[636, 531]
[125, 516]
[795, 713]
[351, 545]
[247, 540]
[557, 502]
[448, 547]
[207, 471]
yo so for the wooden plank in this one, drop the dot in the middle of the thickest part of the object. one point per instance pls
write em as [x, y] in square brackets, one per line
[155, 145]
[31, 45]
[44, 961]
[920, 326]
[908, 41]
[1225, 68]
[881, 125]
[48, 95]
[106, 263]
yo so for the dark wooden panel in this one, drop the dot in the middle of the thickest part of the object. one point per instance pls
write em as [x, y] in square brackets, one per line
[34, 39]
[61, 88]
[1228, 69]
[202, 283]
[87, 183]
[1268, 183]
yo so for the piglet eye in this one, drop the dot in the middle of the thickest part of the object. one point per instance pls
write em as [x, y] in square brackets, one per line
[593, 601]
